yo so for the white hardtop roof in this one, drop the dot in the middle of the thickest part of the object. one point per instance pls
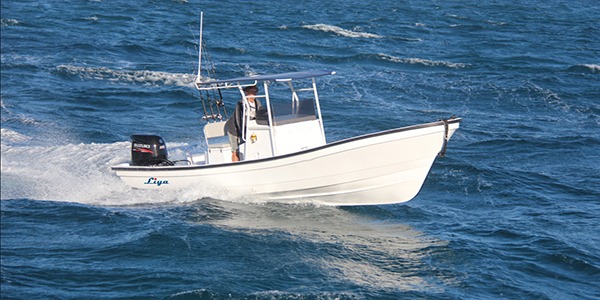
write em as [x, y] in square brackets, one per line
[273, 77]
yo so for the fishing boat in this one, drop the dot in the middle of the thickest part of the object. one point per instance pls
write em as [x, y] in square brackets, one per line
[284, 155]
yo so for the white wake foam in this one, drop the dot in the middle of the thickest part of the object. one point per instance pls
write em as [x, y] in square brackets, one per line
[341, 31]
[143, 77]
[12, 137]
[82, 173]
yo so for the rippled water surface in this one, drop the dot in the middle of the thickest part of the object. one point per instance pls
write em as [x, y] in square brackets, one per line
[511, 212]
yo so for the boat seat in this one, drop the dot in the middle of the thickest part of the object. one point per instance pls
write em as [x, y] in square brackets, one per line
[215, 130]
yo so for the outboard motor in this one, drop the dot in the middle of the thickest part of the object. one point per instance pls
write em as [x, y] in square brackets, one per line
[148, 150]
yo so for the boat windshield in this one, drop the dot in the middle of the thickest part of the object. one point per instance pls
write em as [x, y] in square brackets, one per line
[286, 113]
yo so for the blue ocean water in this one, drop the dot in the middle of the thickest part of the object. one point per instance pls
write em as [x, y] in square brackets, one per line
[511, 212]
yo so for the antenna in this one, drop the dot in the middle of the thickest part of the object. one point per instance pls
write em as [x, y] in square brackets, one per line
[200, 48]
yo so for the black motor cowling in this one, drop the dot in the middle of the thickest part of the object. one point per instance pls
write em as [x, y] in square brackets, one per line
[148, 150]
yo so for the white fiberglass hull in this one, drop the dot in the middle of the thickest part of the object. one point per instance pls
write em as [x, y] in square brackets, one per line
[381, 168]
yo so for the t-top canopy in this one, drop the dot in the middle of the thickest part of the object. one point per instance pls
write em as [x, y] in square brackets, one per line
[277, 77]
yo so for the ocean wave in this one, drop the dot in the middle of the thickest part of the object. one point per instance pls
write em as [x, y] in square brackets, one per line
[407, 39]
[588, 69]
[9, 117]
[373, 58]
[424, 62]
[341, 31]
[271, 295]
[9, 22]
[145, 77]
[496, 23]
[456, 17]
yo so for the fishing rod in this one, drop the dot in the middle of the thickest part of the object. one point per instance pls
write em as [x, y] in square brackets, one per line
[218, 102]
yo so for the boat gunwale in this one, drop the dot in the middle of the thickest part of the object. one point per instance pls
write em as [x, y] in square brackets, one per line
[336, 143]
